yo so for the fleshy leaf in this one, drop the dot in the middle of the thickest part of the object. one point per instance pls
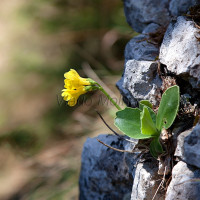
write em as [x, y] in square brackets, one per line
[128, 121]
[148, 127]
[155, 147]
[149, 106]
[145, 103]
[168, 108]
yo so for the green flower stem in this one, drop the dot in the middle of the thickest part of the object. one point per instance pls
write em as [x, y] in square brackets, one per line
[109, 97]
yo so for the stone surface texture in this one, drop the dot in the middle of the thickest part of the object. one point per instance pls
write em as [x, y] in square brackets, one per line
[183, 185]
[152, 27]
[180, 50]
[140, 80]
[127, 96]
[105, 173]
[139, 49]
[180, 7]
[141, 13]
[179, 152]
[145, 181]
[192, 147]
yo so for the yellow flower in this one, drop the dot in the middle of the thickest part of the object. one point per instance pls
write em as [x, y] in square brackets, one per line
[75, 86]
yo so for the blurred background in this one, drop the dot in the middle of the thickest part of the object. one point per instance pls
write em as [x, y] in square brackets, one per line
[41, 138]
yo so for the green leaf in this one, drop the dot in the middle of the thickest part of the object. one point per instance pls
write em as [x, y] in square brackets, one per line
[149, 106]
[128, 121]
[168, 108]
[145, 103]
[148, 127]
[155, 147]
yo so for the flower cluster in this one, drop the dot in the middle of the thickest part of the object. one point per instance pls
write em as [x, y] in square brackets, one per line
[75, 86]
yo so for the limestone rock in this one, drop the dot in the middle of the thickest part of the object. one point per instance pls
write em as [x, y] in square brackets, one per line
[182, 185]
[150, 28]
[105, 173]
[141, 80]
[179, 152]
[180, 50]
[139, 49]
[146, 182]
[180, 7]
[192, 147]
[141, 13]
[127, 96]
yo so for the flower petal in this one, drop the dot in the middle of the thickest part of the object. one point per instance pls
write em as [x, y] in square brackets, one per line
[72, 102]
[84, 81]
[74, 87]
[71, 74]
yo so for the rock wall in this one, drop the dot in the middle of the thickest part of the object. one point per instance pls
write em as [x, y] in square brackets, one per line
[139, 14]
[166, 52]
[106, 174]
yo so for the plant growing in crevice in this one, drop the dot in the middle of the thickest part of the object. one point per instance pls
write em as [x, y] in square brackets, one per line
[137, 123]
[143, 122]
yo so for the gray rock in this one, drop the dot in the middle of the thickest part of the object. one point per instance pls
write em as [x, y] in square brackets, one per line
[192, 147]
[179, 7]
[182, 185]
[141, 80]
[180, 50]
[150, 28]
[105, 173]
[146, 182]
[127, 96]
[139, 49]
[179, 152]
[141, 13]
